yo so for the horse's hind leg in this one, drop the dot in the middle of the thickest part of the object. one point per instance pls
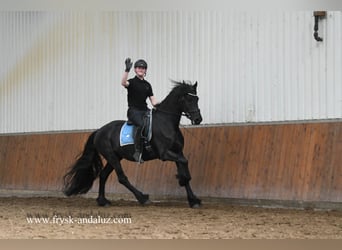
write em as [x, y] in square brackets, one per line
[113, 162]
[105, 172]
[142, 198]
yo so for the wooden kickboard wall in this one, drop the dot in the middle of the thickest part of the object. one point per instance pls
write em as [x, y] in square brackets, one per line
[300, 162]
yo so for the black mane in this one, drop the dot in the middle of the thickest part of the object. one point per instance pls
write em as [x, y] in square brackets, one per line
[179, 89]
[182, 87]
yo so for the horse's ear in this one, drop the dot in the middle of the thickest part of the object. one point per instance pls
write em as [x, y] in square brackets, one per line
[195, 85]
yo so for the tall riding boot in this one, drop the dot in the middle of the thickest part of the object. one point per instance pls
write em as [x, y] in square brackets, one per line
[138, 146]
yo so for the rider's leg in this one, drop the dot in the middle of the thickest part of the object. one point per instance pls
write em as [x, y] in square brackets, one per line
[136, 117]
[138, 145]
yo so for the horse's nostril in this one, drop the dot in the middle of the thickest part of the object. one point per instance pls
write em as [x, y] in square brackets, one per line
[198, 120]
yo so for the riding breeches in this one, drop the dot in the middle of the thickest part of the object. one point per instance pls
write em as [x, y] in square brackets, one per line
[136, 116]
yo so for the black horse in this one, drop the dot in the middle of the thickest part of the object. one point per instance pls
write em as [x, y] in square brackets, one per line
[166, 144]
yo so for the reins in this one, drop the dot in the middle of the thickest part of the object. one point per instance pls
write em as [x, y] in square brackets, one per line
[167, 112]
[182, 126]
[186, 114]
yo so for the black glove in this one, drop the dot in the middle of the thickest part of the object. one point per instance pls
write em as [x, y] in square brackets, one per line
[128, 64]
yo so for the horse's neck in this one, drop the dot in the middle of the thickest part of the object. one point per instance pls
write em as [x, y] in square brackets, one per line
[170, 104]
[169, 111]
[165, 124]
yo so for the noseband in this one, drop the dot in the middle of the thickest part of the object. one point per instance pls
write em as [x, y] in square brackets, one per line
[190, 113]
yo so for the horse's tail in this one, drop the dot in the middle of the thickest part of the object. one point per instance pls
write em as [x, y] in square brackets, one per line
[81, 175]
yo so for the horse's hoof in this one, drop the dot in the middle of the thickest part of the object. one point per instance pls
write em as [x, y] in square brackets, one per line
[144, 200]
[108, 204]
[148, 202]
[196, 206]
[195, 203]
[103, 202]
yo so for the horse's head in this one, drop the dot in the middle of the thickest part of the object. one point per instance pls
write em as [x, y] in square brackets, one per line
[189, 103]
[182, 99]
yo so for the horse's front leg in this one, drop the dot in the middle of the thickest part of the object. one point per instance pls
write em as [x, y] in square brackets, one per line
[184, 177]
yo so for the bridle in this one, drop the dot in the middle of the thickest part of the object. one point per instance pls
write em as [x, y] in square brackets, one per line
[189, 113]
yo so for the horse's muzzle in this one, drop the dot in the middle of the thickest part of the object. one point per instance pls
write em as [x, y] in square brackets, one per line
[197, 119]
[194, 116]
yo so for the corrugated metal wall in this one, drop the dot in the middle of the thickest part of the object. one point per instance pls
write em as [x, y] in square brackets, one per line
[62, 70]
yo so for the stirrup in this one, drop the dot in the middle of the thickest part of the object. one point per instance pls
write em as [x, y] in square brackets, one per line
[147, 146]
[138, 157]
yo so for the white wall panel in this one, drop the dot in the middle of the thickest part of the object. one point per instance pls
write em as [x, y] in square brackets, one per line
[62, 70]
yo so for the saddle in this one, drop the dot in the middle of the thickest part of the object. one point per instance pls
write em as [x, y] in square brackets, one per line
[127, 132]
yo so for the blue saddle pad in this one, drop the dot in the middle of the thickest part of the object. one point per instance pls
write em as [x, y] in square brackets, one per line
[126, 134]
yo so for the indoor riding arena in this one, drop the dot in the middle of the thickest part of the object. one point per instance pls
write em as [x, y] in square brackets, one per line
[266, 161]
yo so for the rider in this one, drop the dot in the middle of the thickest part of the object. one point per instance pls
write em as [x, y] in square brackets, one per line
[138, 89]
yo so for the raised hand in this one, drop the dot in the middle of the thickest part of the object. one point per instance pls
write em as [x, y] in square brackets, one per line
[128, 63]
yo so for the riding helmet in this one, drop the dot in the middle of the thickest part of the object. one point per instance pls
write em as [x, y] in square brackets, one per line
[140, 63]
